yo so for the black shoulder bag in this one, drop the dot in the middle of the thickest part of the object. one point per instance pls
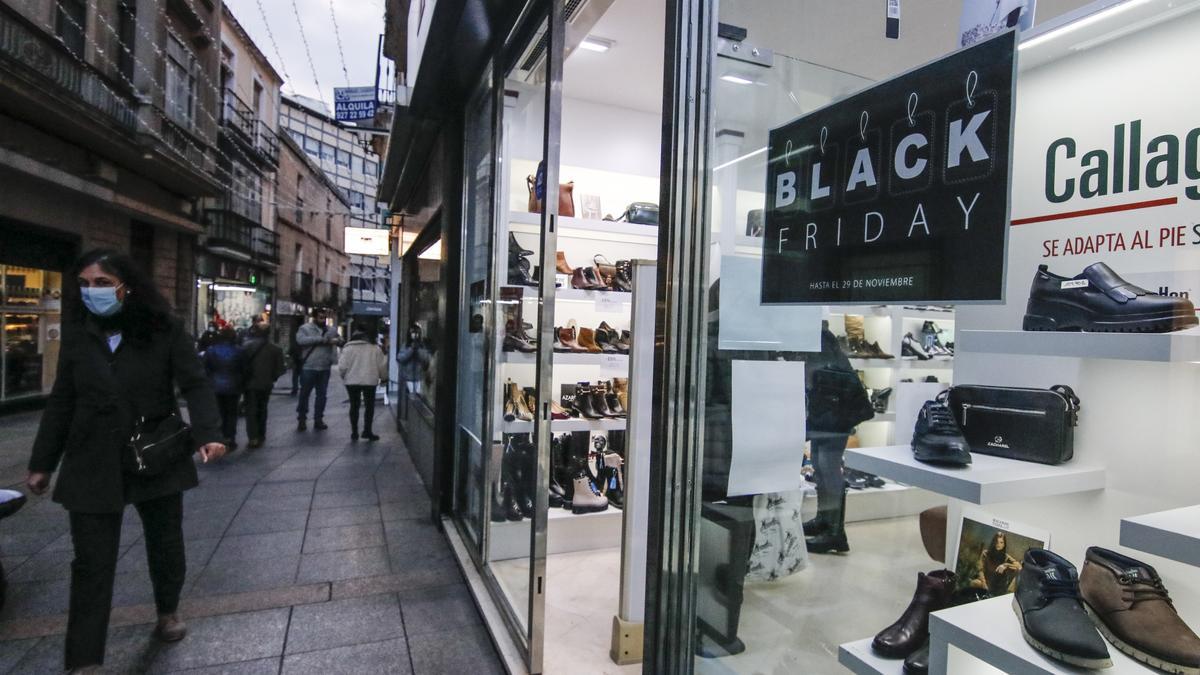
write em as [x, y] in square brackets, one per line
[158, 441]
[837, 401]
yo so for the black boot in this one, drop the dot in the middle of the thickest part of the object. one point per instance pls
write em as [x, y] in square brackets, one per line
[834, 539]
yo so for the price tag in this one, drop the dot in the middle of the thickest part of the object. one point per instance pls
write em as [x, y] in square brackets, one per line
[614, 364]
[610, 302]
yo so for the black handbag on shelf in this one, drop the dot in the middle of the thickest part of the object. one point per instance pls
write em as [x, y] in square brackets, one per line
[640, 213]
[837, 401]
[156, 444]
[1032, 425]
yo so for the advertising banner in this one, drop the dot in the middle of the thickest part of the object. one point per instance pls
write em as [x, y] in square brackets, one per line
[899, 193]
[354, 104]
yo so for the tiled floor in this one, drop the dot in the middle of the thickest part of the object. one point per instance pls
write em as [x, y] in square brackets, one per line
[310, 555]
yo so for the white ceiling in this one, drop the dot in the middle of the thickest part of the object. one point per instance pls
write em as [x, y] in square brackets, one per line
[629, 74]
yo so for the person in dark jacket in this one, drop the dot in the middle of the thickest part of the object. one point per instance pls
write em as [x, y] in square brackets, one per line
[224, 365]
[122, 356]
[264, 364]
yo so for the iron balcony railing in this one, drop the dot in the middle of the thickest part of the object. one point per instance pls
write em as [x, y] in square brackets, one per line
[27, 50]
[266, 141]
[241, 121]
[302, 288]
[227, 230]
[266, 246]
[237, 116]
[248, 207]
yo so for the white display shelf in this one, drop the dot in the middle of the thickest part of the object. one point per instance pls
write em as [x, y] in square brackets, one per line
[1173, 534]
[990, 631]
[1164, 347]
[859, 658]
[936, 363]
[564, 426]
[587, 229]
[566, 358]
[883, 417]
[987, 480]
[566, 532]
[893, 311]
[579, 295]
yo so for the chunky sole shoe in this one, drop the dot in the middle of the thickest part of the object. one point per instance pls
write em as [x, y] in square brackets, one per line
[1054, 653]
[828, 543]
[1054, 316]
[1134, 652]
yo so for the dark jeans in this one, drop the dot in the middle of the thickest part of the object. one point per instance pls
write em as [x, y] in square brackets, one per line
[365, 396]
[310, 380]
[228, 405]
[297, 368]
[97, 541]
[828, 450]
[256, 413]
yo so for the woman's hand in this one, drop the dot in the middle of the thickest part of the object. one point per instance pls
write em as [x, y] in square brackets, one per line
[212, 451]
[38, 482]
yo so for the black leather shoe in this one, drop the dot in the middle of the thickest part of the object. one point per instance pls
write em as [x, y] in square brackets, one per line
[1098, 300]
[830, 542]
[1053, 619]
[937, 438]
[917, 663]
[911, 630]
[816, 527]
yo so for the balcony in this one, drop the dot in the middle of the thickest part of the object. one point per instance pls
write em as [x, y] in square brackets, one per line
[241, 126]
[302, 289]
[265, 246]
[247, 207]
[226, 232]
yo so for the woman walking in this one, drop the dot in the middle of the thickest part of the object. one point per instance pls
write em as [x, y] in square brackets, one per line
[122, 356]
[224, 363]
[263, 365]
[362, 366]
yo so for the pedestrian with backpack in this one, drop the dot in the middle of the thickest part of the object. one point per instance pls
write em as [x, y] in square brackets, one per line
[224, 364]
[363, 366]
[263, 362]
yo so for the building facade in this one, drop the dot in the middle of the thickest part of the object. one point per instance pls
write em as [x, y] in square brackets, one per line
[311, 217]
[108, 137]
[235, 268]
[347, 156]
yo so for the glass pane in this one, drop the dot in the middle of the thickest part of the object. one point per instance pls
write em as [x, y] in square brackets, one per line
[474, 314]
[513, 455]
[803, 552]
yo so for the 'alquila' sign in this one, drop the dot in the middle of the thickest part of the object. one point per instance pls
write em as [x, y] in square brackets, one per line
[899, 193]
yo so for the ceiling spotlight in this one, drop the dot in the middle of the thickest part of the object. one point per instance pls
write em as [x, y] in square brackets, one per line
[736, 80]
[596, 44]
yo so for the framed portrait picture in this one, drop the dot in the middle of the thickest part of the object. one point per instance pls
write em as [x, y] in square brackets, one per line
[989, 552]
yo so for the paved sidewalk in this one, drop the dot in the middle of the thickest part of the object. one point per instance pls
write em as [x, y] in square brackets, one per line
[310, 555]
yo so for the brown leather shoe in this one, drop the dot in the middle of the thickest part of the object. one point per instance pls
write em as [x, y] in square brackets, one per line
[909, 632]
[560, 263]
[170, 628]
[1130, 606]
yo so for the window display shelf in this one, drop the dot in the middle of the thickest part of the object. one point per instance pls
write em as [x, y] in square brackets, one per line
[589, 229]
[990, 631]
[1164, 347]
[942, 362]
[569, 359]
[566, 532]
[988, 480]
[580, 295]
[1173, 534]
[858, 658]
[564, 426]
[883, 417]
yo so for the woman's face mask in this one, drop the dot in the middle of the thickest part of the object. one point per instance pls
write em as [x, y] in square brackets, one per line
[101, 301]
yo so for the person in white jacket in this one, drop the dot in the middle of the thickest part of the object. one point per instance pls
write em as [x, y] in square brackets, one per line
[363, 366]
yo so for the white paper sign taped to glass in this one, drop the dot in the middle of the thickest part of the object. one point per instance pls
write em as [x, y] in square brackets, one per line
[899, 193]
[768, 427]
[354, 104]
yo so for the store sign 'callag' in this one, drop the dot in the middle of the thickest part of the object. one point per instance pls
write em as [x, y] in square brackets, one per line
[899, 193]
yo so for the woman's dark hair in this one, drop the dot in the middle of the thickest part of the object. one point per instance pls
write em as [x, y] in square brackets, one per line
[145, 311]
[997, 554]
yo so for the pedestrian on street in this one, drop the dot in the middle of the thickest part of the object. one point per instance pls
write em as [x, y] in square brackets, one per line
[414, 360]
[318, 343]
[264, 365]
[122, 355]
[295, 357]
[225, 366]
[363, 365]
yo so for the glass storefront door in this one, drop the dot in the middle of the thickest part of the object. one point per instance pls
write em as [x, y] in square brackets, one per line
[30, 331]
[827, 497]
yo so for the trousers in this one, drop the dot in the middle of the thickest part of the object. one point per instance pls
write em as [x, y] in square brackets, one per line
[828, 450]
[227, 404]
[364, 396]
[256, 413]
[97, 541]
[311, 380]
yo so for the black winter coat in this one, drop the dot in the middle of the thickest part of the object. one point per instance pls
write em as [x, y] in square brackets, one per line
[92, 407]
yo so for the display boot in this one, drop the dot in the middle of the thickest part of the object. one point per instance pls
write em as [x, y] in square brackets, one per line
[934, 592]
[624, 279]
[585, 499]
[515, 248]
[517, 340]
[614, 479]
[567, 338]
[558, 493]
[1130, 606]
[625, 343]
[520, 408]
[514, 464]
[587, 340]
[856, 334]
[917, 663]
[1053, 619]
[600, 402]
[518, 272]
[607, 338]
[621, 389]
[584, 402]
[560, 263]
[832, 537]
[614, 403]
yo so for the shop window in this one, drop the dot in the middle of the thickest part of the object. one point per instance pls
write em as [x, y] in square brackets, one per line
[70, 23]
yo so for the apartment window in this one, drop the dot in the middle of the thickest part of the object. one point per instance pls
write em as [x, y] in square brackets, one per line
[299, 199]
[296, 136]
[71, 24]
[312, 146]
[127, 36]
[327, 151]
[256, 101]
[372, 169]
[342, 157]
[181, 82]
[358, 201]
[328, 219]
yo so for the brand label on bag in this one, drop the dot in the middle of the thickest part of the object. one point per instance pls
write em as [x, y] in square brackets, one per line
[899, 193]
[1075, 283]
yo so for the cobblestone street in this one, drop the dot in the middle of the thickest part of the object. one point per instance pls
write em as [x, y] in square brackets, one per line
[312, 554]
